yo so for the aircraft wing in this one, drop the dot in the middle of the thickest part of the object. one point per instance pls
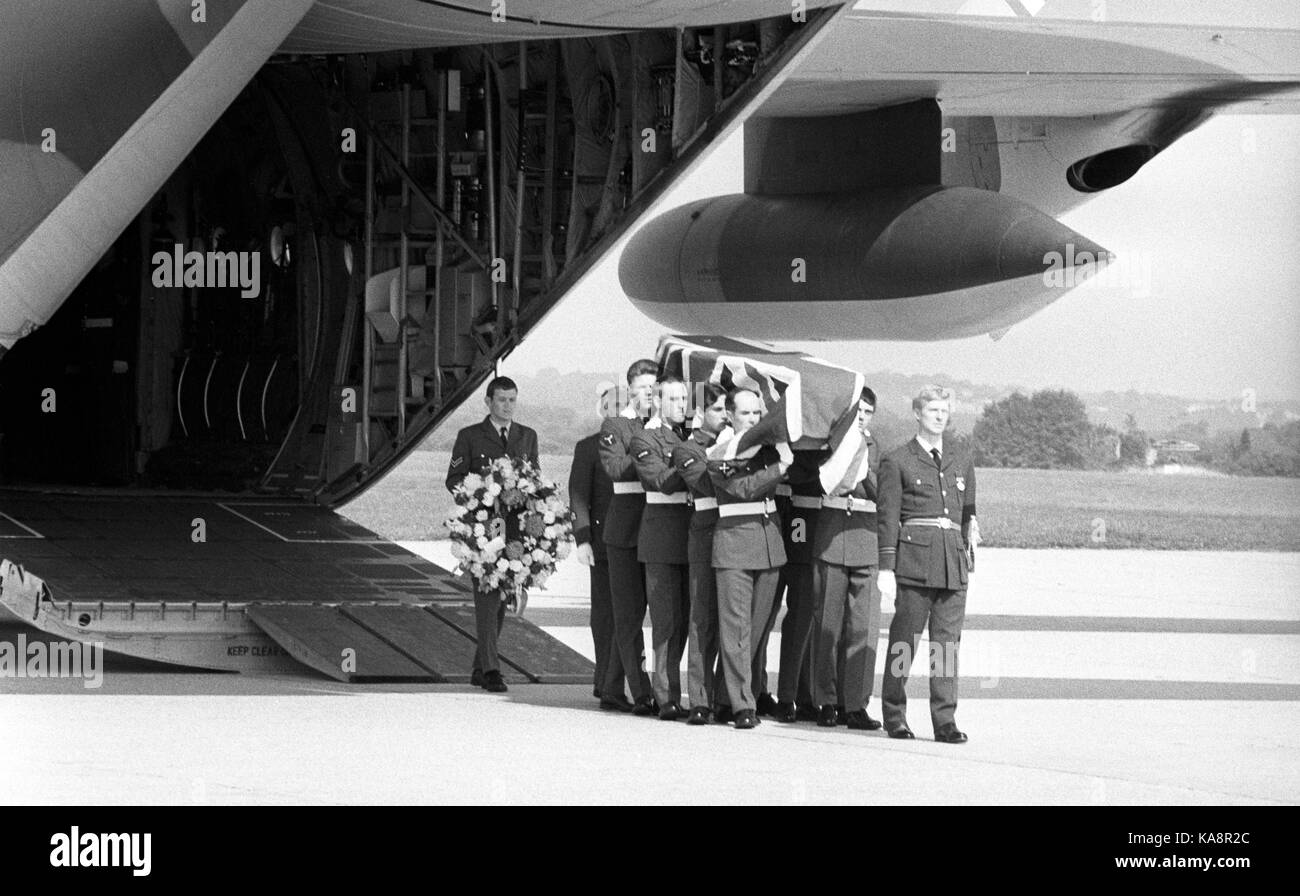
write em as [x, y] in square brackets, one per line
[1070, 58]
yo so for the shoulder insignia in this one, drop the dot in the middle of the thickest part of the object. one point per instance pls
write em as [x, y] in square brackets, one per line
[456, 462]
[642, 454]
[607, 439]
[726, 469]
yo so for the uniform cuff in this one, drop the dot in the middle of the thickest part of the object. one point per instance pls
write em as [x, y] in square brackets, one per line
[887, 558]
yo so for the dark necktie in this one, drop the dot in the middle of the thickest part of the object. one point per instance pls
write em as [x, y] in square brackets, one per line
[934, 452]
[505, 435]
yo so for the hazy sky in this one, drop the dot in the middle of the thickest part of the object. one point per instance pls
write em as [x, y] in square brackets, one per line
[1214, 219]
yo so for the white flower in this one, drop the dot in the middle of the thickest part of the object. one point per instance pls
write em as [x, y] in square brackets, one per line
[473, 482]
[503, 564]
[496, 545]
[489, 498]
[494, 489]
[516, 566]
[481, 516]
[549, 531]
[472, 505]
[476, 569]
[479, 530]
[548, 517]
[541, 556]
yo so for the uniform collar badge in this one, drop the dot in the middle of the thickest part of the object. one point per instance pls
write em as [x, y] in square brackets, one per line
[607, 439]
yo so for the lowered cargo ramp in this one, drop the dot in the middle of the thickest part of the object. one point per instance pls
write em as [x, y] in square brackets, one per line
[244, 585]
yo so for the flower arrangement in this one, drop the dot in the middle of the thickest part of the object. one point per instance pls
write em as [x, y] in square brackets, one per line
[509, 529]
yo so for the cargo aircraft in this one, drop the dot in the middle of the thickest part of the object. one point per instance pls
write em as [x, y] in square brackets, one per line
[253, 251]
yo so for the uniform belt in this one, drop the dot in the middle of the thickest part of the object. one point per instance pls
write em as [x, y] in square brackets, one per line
[629, 488]
[666, 498]
[938, 522]
[848, 504]
[748, 508]
[807, 502]
[706, 503]
[783, 491]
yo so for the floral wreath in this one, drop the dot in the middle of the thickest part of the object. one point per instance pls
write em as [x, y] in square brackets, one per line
[509, 529]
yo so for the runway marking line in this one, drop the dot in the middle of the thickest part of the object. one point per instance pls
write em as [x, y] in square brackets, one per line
[34, 533]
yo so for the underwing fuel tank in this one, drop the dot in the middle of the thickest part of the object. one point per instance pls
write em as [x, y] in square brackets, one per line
[907, 263]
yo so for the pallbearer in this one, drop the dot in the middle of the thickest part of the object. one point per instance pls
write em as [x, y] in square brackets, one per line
[661, 543]
[798, 527]
[626, 575]
[927, 526]
[747, 550]
[844, 575]
[690, 460]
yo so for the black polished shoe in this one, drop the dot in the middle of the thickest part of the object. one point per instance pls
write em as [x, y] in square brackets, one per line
[807, 712]
[700, 715]
[949, 734]
[900, 733]
[785, 713]
[766, 704]
[671, 712]
[494, 683]
[616, 703]
[828, 716]
[842, 715]
[746, 719]
[476, 678]
[858, 720]
[646, 706]
[724, 715]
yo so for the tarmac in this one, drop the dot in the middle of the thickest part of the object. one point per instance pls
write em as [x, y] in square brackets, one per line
[1088, 678]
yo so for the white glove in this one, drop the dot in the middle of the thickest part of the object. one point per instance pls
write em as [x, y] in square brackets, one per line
[783, 451]
[585, 555]
[973, 533]
[887, 584]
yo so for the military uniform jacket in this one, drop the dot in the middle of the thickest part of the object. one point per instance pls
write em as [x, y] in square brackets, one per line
[799, 524]
[753, 541]
[589, 494]
[911, 487]
[691, 462]
[662, 538]
[624, 520]
[478, 445]
[849, 539]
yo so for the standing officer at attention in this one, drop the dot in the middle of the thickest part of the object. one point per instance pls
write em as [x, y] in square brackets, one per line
[590, 491]
[691, 460]
[747, 551]
[475, 449]
[926, 525]
[844, 574]
[622, 528]
[661, 543]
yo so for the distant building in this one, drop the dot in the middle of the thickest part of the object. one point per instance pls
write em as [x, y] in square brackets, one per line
[1171, 451]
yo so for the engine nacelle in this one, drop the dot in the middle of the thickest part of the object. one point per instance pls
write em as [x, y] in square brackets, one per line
[908, 263]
